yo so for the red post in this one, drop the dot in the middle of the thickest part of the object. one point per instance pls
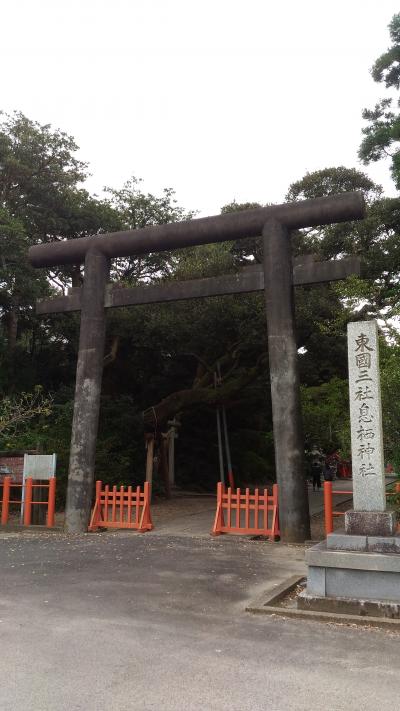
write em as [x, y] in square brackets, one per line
[98, 491]
[219, 521]
[397, 488]
[238, 508]
[121, 503]
[146, 523]
[96, 513]
[137, 500]
[6, 500]
[275, 521]
[51, 502]
[328, 507]
[247, 514]
[256, 508]
[106, 498]
[97, 506]
[28, 501]
[114, 504]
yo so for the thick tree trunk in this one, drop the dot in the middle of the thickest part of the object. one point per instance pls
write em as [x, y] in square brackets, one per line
[185, 399]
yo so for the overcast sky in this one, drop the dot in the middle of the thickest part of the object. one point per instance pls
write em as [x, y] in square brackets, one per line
[218, 99]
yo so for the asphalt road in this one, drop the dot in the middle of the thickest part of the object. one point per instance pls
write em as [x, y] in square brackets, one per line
[111, 622]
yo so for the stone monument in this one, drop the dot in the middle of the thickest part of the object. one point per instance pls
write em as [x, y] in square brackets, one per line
[360, 564]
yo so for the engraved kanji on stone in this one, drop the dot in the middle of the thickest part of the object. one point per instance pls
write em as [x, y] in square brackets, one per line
[365, 433]
[363, 360]
[367, 470]
[363, 393]
[363, 375]
[364, 414]
[365, 450]
[366, 417]
[362, 343]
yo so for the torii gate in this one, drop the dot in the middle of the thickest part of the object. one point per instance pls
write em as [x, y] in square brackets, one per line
[276, 278]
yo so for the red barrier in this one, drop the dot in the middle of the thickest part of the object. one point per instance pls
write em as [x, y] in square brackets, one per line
[329, 493]
[121, 508]
[246, 513]
[27, 501]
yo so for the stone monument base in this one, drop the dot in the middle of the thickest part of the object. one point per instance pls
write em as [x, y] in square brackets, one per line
[341, 541]
[348, 606]
[357, 569]
[353, 571]
[370, 523]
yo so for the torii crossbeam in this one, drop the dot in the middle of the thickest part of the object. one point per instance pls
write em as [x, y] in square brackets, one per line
[277, 278]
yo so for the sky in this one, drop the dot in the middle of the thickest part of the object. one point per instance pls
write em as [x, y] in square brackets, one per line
[218, 99]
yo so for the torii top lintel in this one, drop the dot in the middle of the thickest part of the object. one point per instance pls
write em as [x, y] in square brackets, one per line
[220, 228]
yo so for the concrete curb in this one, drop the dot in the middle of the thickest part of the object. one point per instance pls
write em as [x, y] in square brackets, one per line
[267, 604]
[272, 597]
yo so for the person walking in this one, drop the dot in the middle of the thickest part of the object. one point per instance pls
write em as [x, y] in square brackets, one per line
[317, 460]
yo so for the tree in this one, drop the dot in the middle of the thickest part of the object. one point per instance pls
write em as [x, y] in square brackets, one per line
[326, 418]
[247, 249]
[17, 411]
[37, 166]
[382, 135]
[19, 283]
[375, 240]
[390, 383]
[136, 210]
[41, 183]
[41, 200]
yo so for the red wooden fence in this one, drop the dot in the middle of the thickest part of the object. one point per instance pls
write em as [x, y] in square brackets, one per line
[330, 492]
[255, 514]
[27, 499]
[123, 507]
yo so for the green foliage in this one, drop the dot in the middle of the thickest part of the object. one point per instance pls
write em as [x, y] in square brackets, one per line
[387, 67]
[38, 167]
[246, 249]
[40, 200]
[257, 470]
[49, 434]
[16, 411]
[382, 134]
[20, 284]
[390, 385]
[136, 210]
[375, 240]
[331, 181]
[326, 416]
[205, 261]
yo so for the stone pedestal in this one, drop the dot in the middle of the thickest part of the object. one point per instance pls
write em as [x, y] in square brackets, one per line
[370, 523]
[348, 570]
[341, 541]
[353, 574]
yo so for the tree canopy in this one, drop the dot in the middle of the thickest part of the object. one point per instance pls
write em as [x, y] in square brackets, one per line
[382, 134]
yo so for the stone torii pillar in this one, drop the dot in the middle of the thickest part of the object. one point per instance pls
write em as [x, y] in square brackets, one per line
[89, 374]
[274, 223]
[294, 519]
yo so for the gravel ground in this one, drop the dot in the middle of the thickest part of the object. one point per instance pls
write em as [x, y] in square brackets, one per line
[122, 621]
